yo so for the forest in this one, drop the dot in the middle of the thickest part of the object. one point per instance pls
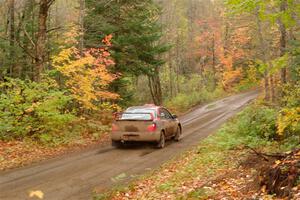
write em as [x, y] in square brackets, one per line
[69, 61]
[67, 65]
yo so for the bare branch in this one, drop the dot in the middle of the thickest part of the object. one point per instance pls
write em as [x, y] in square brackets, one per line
[50, 2]
[53, 29]
[28, 36]
[22, 47]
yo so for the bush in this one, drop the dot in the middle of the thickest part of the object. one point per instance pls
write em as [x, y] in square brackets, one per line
[184, 101]
[250, 81]
[255, 121]
[35, 110]
[291, 99]
[262, 126]
[288, 120]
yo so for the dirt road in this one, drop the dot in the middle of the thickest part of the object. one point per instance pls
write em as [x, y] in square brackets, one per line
[75, 176]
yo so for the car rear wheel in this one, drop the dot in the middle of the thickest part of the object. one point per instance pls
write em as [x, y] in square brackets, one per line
[177, 136]
[162, 141]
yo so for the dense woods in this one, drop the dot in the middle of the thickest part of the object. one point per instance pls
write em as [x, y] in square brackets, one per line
[66, 65]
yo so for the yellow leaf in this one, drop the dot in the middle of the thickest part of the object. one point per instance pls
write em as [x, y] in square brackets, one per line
[263, 189]
[38, 193]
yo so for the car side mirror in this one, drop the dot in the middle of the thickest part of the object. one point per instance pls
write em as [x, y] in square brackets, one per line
[174, 116]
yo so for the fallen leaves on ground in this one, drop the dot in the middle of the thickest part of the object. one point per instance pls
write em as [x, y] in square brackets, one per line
[237, 178]
[20, 153]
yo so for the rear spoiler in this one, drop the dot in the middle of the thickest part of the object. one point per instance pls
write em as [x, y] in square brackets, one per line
[118, 115]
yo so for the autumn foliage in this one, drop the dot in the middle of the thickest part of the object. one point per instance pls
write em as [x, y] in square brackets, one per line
[222, 51]
[48, 111]
[87, 73]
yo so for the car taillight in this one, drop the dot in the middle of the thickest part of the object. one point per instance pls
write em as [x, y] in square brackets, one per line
[152, 127]
[114, 127]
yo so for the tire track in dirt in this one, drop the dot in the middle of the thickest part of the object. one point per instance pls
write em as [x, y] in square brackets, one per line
[75, 176]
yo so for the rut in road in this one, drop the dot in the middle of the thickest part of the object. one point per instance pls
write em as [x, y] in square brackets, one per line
[75, 176]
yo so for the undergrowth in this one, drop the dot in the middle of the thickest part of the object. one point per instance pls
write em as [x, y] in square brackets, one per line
[254, 127]
[41, 113]
[185, 101]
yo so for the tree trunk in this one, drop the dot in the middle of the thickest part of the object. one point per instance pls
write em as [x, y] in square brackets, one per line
[283, 38]
[214, 70]
[178, 65]
[41, 40]
[272, 88]
[266, 87]
[81, 24]
[155, 87]
[264, 57]
[32, 26]
[170, 75]
[12, 37]
[191, 15]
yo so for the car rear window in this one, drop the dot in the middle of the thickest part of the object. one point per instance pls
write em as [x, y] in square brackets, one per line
[138, 114]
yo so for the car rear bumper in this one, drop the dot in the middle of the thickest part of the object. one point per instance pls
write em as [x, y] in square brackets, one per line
[136, 136]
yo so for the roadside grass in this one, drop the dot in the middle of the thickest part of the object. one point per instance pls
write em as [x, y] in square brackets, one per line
[184, 176]
[185, 101]
[191, 175]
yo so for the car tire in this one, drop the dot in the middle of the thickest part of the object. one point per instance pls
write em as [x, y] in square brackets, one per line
[117, 144]
[162, 141]
[177, 136]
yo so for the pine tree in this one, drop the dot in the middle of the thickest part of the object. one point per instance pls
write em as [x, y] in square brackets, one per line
[136, 35]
